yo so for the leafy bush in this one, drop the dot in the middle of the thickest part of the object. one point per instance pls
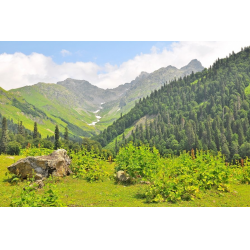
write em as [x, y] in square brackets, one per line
[31, 151]
[13, 148]
[244, 172]
[183, 177]
[138, 161]
[12, 178]
[30, 197]
[88, 165]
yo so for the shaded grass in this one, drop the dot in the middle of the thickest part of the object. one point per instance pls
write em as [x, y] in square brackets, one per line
[79, 192]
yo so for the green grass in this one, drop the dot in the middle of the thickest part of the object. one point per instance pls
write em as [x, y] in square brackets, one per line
[59, 110]
[78, 192]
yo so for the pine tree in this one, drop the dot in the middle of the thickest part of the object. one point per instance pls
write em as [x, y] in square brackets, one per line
[57, 143]
[66, 134]
[116, 146]
[240, 133]
[35, 133]
[190, 135]
[229, 134]
[147, 131]
[4, 140]
[225, 151]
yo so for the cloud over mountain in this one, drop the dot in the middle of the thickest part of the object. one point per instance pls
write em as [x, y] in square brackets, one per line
[18, 69]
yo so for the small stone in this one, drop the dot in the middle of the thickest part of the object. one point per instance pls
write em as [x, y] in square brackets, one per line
[122, 176]
[40, 184]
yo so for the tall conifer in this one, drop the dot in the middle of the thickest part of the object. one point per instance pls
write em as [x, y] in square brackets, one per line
[35, 133]
[66, 134]
[57, 143]
[4, 140]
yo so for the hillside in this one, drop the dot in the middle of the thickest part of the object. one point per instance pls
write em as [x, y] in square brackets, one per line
[16, 108]
[60, 105]
[83, 107]
[206, 110]
[141, 87]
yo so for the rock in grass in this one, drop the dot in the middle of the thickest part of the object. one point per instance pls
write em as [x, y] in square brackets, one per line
[55, 164]
[122, 176]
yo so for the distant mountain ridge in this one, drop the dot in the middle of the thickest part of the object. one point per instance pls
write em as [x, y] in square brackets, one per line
[78, 104]
[143, 85]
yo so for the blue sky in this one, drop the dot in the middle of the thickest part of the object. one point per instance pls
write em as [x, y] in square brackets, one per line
[98, 52]
[104, 64]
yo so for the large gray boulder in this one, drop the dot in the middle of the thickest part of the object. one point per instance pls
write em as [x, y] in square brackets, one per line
[56, 164]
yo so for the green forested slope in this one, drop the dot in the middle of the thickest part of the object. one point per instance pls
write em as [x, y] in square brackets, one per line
[206, 110]
[141, 87]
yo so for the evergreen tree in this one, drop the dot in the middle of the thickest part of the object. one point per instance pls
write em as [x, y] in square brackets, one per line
[240, 133]
[4, 140]
[21, 129]
[116, 146]
[57, 143]
[66, 134]
[229, 134]
[35, 133]
[190, 135]
[225, 151]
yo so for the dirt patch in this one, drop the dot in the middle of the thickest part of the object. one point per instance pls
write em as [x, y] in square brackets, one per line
[10, 157]
[50, 130]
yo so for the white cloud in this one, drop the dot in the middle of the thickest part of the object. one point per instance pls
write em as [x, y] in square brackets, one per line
[17, 70]
[65, 52]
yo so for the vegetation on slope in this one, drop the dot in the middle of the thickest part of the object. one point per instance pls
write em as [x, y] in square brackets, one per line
[206, 110]
[60, 106]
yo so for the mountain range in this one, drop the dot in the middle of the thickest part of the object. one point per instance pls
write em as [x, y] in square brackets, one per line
[86, 109]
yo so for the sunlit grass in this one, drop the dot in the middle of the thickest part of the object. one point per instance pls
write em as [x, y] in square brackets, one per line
[79, 192]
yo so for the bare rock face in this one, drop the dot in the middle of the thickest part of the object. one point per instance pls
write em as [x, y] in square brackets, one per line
[56, 164]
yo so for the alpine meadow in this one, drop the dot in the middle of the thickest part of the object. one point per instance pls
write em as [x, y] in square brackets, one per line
[170, 137]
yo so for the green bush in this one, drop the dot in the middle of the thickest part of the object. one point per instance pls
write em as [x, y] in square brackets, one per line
[183, 177]
[243, 174]
[13, 148]
[31, 151]
[30, 197]
[88, 165]
[138, 162]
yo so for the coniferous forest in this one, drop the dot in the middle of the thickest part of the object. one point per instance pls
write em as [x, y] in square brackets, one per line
[208, 110]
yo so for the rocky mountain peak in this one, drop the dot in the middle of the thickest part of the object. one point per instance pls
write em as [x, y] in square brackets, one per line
[142, 75]
[193, 65]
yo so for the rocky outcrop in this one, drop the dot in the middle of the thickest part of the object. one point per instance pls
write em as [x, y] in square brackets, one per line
[55, 164]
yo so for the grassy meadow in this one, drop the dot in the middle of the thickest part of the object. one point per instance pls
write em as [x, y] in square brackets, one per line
[77, 191]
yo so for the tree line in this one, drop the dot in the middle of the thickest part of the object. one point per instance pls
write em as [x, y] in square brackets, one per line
[208, 110]
[14, 137]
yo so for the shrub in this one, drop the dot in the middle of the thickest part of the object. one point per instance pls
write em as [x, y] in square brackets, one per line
[13, 148]
[88, 165]
[29, 197]
[183, 177]
[31, 151]
[138, 161]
